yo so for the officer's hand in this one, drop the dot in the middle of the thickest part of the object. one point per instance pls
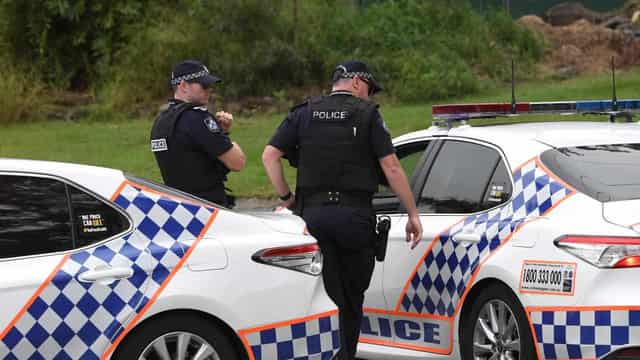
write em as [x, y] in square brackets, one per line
[225, 120]
[414, 231]
[290, 203]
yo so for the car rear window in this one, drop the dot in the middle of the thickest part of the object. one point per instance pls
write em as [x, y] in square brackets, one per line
[606, 173]
[169, 190]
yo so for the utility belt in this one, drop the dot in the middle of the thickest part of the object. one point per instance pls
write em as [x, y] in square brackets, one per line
[354, 199]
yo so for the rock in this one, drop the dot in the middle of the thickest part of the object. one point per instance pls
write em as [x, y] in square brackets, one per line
[566, 72]
[616, 22]
[567, 13]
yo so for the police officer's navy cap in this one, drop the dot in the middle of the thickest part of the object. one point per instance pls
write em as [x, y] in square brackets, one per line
[353, 68]
[193, 71]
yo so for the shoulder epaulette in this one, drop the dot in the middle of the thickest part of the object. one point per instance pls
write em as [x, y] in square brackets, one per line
[295, 107]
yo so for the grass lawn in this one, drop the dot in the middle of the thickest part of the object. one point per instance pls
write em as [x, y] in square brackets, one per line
[124, 143]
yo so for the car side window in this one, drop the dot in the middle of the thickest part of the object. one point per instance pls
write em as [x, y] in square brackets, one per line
[409, 156]
[465, 178]
[34, 216]
[94, 220]
[499, 189]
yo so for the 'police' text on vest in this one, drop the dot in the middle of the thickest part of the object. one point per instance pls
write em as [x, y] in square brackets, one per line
[331, 115]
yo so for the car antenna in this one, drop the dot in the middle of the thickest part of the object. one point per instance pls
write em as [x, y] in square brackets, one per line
[615, 112]
[513, 86]
[614, 100]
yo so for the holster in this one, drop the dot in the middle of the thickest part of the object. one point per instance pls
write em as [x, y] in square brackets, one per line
[382, 236]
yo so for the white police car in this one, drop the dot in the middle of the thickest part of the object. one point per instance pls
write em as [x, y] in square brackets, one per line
[96, 264]
[531, 243]
[531, 251]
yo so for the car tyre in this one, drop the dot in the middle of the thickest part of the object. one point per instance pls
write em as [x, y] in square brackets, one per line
[167, 336]
[496, 325]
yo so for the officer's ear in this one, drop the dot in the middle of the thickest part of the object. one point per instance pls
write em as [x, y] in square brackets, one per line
[182, 85]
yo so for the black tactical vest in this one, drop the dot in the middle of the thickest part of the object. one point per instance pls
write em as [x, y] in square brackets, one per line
[185, 167]
[335, 146]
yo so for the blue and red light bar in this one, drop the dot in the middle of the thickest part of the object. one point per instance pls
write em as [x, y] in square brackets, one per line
[551, 107]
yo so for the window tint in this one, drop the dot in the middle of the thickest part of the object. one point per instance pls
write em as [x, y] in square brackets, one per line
[609, 172]
[499, 189]
[34, 216]
[94, 220]
[462, 180]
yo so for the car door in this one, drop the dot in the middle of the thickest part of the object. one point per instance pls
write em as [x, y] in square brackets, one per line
[423, 286]
[71, 275]
[412, 156]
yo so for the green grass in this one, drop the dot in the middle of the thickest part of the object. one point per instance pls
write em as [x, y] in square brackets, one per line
[124, 143]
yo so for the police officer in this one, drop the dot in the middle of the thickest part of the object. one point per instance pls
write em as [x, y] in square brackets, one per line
[192, 146]
[338, 143]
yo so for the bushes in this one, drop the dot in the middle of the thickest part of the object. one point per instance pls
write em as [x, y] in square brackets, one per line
[69, 42]
[124, 49]
[21, 94]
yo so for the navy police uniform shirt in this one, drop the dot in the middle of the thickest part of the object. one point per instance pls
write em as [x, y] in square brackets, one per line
[286, 137]
[198, 130]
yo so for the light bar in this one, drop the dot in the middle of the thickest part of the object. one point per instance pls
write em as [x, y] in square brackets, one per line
[552, 107]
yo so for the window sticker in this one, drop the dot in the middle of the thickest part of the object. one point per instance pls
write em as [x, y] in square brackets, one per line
[547, 277]
[92, 223]
[496, 193]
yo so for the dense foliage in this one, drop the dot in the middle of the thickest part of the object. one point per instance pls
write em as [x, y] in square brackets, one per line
[123, 50]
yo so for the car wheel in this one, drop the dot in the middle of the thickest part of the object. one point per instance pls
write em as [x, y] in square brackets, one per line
[184, 337]
[496, 327]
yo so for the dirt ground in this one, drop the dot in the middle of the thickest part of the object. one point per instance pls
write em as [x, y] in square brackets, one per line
[583, 47]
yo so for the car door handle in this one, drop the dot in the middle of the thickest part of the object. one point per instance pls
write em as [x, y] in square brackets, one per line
[105, 274]
[469, 238]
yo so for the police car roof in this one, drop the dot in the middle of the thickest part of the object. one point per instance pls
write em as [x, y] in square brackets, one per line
[553, 134]
[62, 169]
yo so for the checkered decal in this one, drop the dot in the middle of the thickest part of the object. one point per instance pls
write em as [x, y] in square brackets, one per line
[440, 282]
[584, 334]
[315, 339]
[71, 319]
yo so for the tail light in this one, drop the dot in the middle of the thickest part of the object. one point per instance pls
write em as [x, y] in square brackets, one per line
[625, 354]
[305, 258]
[603, 251]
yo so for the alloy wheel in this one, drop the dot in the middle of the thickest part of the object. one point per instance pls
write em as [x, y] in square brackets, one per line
[179, 345]
[495, 334]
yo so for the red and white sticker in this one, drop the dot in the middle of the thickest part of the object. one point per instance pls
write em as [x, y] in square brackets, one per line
[548, 277]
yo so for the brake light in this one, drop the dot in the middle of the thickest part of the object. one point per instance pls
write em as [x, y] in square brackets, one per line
[625, 354]
[603, 251]
[305, 258]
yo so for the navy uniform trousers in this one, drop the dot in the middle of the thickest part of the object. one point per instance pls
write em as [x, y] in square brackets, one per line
[345, 236]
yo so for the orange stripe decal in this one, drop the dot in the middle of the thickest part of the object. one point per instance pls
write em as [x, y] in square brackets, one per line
[33, 297]
[450, 272]
[169, 277]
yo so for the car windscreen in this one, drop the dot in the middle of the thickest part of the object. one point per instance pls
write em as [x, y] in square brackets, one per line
[609, 172]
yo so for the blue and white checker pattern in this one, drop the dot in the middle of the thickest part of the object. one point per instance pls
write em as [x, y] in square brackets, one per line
[75, 320]
[442, 279]
[316, 339]
[584, 334]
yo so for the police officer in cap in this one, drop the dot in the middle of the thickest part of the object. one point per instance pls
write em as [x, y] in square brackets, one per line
[191, 145]
[338, 143]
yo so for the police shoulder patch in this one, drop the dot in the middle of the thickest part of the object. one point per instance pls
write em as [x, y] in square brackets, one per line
[211, 124]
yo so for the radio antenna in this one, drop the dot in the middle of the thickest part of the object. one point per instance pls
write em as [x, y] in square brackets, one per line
[614, 101]
[513, 86]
